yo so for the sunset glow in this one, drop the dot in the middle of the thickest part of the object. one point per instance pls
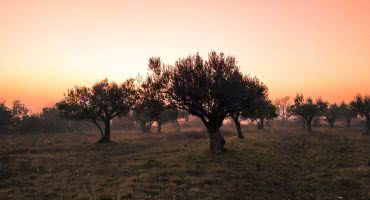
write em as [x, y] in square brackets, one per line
[318, 48]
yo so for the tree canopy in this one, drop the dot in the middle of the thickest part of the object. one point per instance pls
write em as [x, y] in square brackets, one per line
[209, 89]
[99, 104]
[361, 105]
[307, 109]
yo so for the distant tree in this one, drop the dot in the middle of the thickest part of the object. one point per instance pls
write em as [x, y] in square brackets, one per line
[348, 112]
[19, 111]
[266, 111]
[169, 115]
[307, 110]
[332, 113]
[6, 118]
[31, 124]
[150, 104]
[282, 106]
[361, 105]
[146, 111]
[99, 104]
[206, 89]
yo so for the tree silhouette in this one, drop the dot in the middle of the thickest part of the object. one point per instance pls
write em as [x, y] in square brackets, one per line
[332, 113]
[307, 110]
[99, 104]
[250, 103]
[266, 111]
[19, 112]
[147, 110]
[207, 89]
[6, 118]
[150, 104]
[169, 115]
[283, 105]
[347, 112]
[361, 105]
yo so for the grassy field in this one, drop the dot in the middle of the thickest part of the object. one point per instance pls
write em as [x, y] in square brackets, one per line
[270, 164]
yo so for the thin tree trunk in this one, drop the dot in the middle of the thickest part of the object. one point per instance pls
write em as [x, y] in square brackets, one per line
[309, 125]
[261, 124]
[331, 123]
[348, 123]
[217, 142]
[367, 126]
[159, 127]
[238, 128]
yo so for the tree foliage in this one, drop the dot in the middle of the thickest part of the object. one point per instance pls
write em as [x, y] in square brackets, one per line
[150, 103]
[307, 109]
[99, 104]
[347, 112]
[6, 118]
[361, 105]
[208, 89]
[282, 106]
[332, 113]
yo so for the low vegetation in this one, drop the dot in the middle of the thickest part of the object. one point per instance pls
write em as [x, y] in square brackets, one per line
[269, 164]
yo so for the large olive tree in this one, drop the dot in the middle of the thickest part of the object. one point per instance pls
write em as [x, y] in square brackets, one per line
[99, 104]
[207, 89]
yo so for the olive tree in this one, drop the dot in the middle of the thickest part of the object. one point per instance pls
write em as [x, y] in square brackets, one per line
[150, 104]
[207, 89]
[307, 109]
[169, 115]
[19, 112]
[99, 104]
[146, 111]
[361, 105]
[283, 105]
[266, 111]
[347, 112]
[6, 118]
[332, 113]
[250, 102]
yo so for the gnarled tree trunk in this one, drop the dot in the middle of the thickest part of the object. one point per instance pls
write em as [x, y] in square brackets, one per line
[238, 128]
[106, 137]
[217, 142]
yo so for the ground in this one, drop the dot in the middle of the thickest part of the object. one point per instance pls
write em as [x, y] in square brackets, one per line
[270, 164]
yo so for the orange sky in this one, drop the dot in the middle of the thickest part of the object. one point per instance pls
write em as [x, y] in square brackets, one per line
[317, 47]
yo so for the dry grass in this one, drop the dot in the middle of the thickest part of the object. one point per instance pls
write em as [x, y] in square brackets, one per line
[270, 164]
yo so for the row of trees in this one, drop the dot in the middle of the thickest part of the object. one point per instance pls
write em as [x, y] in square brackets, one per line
[212, 89]
[18, 118]
[308, 110]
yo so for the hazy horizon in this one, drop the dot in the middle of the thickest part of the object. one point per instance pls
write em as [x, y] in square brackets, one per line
[318, 48]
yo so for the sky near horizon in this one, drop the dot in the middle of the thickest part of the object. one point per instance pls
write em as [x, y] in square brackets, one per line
[318, 47]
